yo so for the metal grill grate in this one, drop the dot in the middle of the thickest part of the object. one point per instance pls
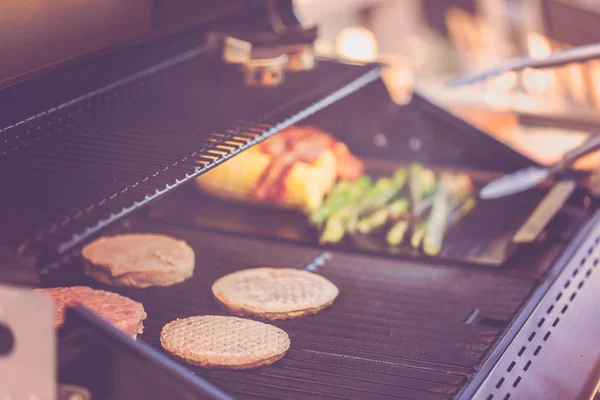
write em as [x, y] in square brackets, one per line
[73, 170]
[397, 329]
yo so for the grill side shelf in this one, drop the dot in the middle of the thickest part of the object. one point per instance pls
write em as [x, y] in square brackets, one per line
[76, 176]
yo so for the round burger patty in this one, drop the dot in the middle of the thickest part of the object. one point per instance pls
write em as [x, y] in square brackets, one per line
[274, 293]
[123, 313]
[213, 341]
[139, 260]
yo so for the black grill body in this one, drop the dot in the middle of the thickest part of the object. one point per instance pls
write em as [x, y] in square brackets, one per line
[112, 145]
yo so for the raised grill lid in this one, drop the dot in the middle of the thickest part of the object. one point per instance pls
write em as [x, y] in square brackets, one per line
[74, 169]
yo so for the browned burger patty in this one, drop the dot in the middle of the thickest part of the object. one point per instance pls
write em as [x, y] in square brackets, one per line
[214, 341]
[274, 293]
[123, 313]
[139, 260]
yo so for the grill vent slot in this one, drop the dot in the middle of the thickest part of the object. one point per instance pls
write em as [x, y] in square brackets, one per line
[556, 304]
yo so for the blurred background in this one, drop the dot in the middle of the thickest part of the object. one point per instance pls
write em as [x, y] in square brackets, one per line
[426, 43]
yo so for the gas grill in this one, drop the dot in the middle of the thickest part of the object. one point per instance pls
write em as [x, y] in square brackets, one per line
[107, 143]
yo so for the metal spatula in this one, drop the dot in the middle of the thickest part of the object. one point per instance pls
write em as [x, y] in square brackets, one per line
[574, 54]
[530, 177]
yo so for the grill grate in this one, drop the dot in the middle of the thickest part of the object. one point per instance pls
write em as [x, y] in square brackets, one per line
[397, 329]
[75, 169]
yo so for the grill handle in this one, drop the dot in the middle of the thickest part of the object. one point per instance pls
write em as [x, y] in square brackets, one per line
[591, 145]
[572, 55]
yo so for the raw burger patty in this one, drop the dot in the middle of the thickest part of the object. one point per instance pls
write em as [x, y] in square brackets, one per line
[274, 293]
[122, 312]
[139, 260]
[224, 342]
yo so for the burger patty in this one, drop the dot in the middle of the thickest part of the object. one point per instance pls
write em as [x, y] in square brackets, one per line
[123, 313]
[139, 260]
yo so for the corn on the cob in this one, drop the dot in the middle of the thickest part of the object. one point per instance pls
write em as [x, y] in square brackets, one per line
[304, 187]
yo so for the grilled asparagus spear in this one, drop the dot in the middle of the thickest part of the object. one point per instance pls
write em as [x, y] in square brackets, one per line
[334, 231]
[459, 212]
[376, 197]
[422, 184]
[384, 190]
[437, 221]
[451, 203]
[396, 234]
[345, 192]
[379, 218]
[418, 234]
[337, 221]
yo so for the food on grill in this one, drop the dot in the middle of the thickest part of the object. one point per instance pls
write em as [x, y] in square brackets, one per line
[413, 203]
[274, 293]
[139, 260]
[294, 169]
[397, 232]
[123, 313]
[422, 184]
[452, 195]
[224, 342]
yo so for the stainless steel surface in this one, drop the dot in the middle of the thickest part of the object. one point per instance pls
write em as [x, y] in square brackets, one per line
[514, 183]
[28, 371]
[547, 209]
[572, 55]
[556, 355]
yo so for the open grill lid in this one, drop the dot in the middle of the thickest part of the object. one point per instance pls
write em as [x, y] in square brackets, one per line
[89, 142]
[84, 163]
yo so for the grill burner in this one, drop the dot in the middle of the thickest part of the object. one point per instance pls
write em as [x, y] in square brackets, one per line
[397, 329]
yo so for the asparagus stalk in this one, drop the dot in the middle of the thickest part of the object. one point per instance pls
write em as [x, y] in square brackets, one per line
[374, 221]
[422, 184]
[396, 234]
[334, 231]
[437, 221]
[344, 193]
[424, 205]
[418, 234]
[459, 212]
[398, 208]
[451, 203]
[384, 190]
[379, 218]
[337, 222]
